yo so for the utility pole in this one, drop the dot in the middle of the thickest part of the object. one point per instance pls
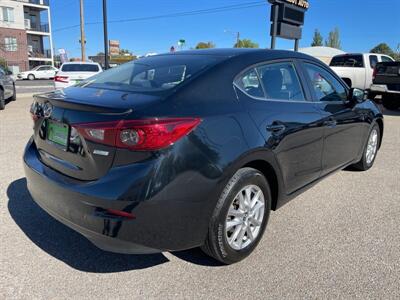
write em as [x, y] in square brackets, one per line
[237, 39]
[83, 39]
[105, 34]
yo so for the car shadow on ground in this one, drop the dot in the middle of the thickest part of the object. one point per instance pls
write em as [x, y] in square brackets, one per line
[6, 102]
[72, 248]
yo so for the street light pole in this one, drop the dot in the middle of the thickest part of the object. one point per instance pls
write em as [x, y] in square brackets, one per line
[105, 34]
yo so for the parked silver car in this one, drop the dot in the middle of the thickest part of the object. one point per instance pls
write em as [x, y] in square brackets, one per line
[7, 88]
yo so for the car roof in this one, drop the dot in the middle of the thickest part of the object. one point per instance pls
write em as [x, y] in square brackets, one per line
[80, 63]
[236, 52]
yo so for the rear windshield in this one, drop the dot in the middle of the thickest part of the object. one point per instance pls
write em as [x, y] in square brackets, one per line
[80, 68]
[352, 61]
[155, 73]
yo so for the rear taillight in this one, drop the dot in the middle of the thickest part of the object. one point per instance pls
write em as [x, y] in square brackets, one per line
[149, 134]
[374, 73]
[61, 79]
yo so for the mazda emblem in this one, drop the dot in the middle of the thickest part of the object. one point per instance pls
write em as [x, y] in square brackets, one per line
[47, 110]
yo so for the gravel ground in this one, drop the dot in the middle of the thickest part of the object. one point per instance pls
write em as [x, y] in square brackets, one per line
[338, 240]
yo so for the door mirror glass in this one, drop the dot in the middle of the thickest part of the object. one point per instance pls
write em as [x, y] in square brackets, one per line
[356, 95]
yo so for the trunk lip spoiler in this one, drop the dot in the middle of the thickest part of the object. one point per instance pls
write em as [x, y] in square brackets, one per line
[73, 104]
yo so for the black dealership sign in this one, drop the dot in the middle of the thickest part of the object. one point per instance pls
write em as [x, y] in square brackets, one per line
[287, 17]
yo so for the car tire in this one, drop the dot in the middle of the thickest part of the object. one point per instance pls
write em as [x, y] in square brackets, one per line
[31, 77]
[14, 96]
[372, 144]
[391, 102]
[220, 243]
[2, 100]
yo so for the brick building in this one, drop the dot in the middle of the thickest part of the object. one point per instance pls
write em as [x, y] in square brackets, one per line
[25, 34]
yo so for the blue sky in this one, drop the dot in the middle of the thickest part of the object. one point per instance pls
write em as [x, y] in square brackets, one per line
[363, 24]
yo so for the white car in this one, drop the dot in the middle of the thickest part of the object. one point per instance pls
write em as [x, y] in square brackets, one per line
[74, 72]
[39, 72]
[356, 69]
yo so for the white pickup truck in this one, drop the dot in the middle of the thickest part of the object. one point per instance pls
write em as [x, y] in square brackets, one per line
[357, 69]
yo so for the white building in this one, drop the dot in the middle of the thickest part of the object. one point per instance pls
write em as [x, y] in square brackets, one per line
[324, 54]
[25, 34]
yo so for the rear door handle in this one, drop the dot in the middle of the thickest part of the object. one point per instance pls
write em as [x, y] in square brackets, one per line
[276, 128]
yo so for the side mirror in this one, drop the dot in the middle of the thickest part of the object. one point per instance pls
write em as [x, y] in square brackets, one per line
[356, 95]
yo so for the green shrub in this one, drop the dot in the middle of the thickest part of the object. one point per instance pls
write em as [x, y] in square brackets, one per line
[3, 64]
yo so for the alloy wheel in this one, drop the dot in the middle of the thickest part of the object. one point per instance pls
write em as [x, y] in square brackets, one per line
[372, 146]
[244, 218]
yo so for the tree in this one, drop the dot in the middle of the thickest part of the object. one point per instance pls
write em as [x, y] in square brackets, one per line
[245, 43]
[382, 48]
[124, 52]
[317, 39]
[334, 39]
[3, 64]
[205, 45]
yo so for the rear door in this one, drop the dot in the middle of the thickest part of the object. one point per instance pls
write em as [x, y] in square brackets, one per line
[47, 72]
[343, 123]
[40, 73]
[286, 117]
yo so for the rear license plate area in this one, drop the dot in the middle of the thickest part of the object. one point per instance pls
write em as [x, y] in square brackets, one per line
[58, 134]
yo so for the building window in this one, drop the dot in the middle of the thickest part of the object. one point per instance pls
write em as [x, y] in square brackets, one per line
[8, 14]
[10, 44]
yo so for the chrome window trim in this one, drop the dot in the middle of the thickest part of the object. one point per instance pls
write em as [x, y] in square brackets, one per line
[272, 99]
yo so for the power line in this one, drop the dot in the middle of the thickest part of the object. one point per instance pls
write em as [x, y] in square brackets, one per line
[176, 15]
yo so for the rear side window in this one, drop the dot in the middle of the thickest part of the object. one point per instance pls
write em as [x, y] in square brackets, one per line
[386, 59]
[280, 82]
[80, 68]
[326, 87]
[373, 60]
[154, 73]
[250, 84]
[352, 61]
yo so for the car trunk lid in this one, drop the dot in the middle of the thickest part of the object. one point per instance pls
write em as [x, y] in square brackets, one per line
[57, 116]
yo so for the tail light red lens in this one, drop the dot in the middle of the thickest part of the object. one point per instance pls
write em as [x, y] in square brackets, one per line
[374, 73]
[120, 213]
[61, 79]
[141, 135]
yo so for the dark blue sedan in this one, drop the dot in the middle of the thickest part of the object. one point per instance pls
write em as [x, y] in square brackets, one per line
[194, 148]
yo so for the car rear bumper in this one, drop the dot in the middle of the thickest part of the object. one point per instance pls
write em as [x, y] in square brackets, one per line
[61, 85]
[382, 88]
[161, 223]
